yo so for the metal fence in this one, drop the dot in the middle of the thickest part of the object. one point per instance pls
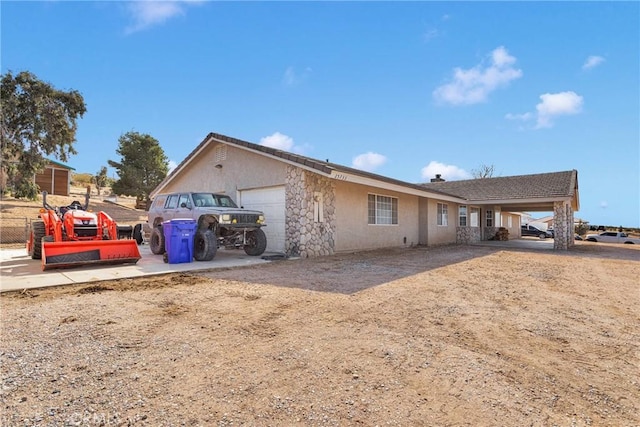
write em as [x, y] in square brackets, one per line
[14, 229]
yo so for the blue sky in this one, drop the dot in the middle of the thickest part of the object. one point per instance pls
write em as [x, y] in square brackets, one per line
[403, 89]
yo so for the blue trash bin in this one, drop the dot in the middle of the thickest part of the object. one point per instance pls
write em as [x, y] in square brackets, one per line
[178, 239]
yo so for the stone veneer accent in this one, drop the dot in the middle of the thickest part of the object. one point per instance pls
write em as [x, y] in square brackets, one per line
[304, 236]
[489, 233]
[563, 226]
[467, 234]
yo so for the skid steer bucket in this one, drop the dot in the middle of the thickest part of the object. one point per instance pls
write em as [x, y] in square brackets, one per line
[90, 252]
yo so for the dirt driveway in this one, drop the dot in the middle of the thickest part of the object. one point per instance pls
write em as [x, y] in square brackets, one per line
[460, 335]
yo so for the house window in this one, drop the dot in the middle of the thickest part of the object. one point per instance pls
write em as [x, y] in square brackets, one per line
[474, 217]
[489, 218]
[443, 214]
[318, 210]
[383, 210]
[509, 221]
[462, 216]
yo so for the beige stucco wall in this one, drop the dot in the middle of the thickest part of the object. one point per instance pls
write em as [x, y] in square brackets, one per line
[240, 170]
[352, 231]
[438, 234]
[514, 230]
[423, 221]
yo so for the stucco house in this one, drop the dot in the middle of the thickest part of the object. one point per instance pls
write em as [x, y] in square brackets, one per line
[315, 208]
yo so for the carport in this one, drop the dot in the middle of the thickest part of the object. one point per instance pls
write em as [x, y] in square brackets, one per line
[555, 192]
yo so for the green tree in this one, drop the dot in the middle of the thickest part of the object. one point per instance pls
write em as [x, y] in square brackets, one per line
[100, 179]
[142, 167]
[581, 228]
[38, 120]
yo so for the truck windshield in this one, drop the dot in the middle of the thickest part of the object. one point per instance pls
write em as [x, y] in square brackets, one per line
[210, 200]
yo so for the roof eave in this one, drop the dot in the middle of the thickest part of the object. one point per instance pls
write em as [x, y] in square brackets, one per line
[343, 176]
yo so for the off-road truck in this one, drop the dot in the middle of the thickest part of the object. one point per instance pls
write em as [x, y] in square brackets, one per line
[221, 223]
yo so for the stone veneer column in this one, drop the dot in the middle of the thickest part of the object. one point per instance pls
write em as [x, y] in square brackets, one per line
[304, 237]
[563, 226]
[466, 235]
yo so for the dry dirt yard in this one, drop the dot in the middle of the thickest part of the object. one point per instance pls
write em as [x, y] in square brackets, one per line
[448, 336]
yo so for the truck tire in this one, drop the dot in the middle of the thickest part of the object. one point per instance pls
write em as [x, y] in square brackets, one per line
[205, 245]
[156, 241]
[256, 243]
[36, 234]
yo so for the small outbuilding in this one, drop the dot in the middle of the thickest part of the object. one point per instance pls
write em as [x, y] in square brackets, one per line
[55, 178]
[315, 207]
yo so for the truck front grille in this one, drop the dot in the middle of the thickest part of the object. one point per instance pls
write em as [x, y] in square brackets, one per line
[245, 218]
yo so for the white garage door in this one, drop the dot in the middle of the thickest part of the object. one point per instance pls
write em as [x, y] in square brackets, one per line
[271, 201]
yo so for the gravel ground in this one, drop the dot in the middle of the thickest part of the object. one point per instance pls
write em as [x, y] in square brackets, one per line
[446, 336]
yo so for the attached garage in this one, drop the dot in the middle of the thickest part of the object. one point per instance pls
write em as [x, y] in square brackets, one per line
[271, 201]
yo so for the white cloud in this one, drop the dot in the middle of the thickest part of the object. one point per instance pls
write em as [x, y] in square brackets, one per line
[368, 161]
[146, 13]
[430, 34]
[278, 141]
[433, 31]
[523, 117]
[552, 106]
[172, 165]
[475, 84]
[557, 104]
[292, 77]
[448, 172]
[283, 142]
[592, 62]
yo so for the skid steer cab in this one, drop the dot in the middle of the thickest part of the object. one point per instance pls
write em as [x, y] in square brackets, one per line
[70, 236]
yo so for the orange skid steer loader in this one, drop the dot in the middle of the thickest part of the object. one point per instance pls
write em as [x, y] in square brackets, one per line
[71, 236]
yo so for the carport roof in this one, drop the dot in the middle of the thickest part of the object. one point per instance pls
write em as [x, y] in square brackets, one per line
[541, 185]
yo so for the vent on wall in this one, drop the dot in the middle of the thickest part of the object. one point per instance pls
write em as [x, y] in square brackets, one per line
[220, 153]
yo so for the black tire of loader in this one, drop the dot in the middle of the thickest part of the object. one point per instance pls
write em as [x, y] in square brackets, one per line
[36, 234]
[205, 245]
[156, 241]
[257, 243]
[137, 234]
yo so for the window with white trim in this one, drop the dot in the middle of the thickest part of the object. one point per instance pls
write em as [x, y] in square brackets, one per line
[443, 214]
[462, 215]
[509, 221]
[383, 210]
[489, 218]
[474, 217]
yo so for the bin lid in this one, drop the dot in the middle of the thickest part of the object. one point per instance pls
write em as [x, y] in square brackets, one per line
[180, 221]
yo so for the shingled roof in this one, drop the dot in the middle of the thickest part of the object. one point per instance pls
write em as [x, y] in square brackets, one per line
[547, 186]
[324, 167]
[551, 185]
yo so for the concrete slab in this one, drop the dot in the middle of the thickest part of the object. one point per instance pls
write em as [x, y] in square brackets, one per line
[522, 243]
[18, 271]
